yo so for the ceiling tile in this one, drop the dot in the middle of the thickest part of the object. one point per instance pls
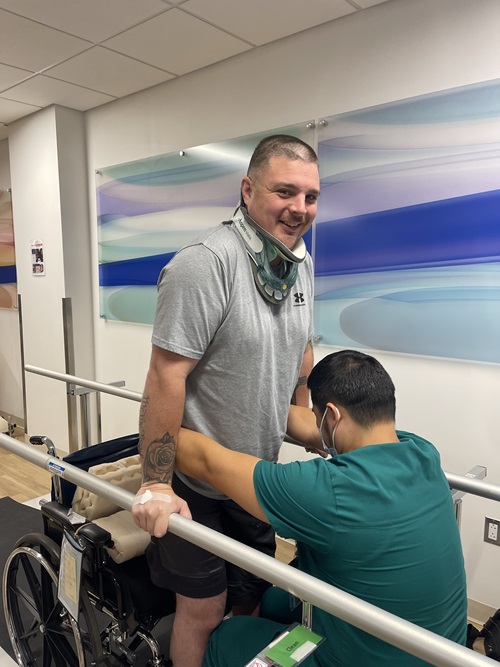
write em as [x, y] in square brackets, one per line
[52, 51]
[108, 72]
[44, 91]
[9, 76]
[177, 42]
[262, 21]
[94, 20]
[26, 44]
[10, 110]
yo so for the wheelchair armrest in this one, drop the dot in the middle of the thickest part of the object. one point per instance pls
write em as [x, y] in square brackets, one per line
[59, 514]
[61, 517]
[97, 536]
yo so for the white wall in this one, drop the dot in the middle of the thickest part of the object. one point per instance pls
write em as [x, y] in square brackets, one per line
[11, 396]
[392, 51]
[47, 161]
[36, 210]
[72, 165]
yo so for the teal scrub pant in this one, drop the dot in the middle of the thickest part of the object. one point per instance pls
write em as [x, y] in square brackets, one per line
[239, 639]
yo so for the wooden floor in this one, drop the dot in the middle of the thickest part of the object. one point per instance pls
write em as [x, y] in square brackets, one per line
[20, 479]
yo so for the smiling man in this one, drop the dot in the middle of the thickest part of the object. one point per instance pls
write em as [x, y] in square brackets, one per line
[231, 351]
[282, 195]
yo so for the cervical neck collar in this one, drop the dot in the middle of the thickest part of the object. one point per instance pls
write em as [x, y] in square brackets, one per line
[262, 249]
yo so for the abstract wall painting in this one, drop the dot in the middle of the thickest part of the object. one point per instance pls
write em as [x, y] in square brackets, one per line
[406, 244]
[407, 239]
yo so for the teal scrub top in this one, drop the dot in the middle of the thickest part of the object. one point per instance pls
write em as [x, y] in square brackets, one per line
[379, 523]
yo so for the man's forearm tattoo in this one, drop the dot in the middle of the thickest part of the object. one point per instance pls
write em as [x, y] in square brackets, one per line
[300, 382]
[158, 460]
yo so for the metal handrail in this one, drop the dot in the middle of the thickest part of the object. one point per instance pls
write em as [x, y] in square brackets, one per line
[460, 482]
[411, 638]
[81, 382]
[474, 486]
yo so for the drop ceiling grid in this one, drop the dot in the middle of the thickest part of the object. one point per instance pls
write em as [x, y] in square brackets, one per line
[84, 54]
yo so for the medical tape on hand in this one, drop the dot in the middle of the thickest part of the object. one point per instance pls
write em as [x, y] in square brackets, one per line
[151, 495]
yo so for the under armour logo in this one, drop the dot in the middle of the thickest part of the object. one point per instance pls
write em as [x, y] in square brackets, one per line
[299, 297]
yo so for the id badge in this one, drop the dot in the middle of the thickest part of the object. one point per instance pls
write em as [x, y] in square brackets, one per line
[68, 590]
[289, 649]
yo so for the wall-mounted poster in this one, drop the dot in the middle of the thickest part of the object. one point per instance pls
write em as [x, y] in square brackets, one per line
[150, 208]
[8, 280]
[407, 240]
[37, 259]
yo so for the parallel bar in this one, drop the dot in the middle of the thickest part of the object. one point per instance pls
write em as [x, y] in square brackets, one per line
[85, 423]
[477, 472]
[23, 373]
[98, 415]
[69, 364]
[403, 634]
[460, 482]
[474, 486]
[99, 386]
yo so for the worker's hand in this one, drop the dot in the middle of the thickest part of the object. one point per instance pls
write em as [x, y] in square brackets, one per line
[153, 505]
[320, 452]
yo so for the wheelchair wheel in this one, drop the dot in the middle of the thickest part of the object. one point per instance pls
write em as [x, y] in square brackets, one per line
[41, 630]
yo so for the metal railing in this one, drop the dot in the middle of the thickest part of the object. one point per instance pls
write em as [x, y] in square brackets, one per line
[81, 388]
[411, 638]
[81, 382]
[467, 483]
[396, 631]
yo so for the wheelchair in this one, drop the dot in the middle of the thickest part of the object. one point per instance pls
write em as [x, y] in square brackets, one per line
[116, 604]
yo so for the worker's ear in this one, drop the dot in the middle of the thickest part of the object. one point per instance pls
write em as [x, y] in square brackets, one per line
[336, 412]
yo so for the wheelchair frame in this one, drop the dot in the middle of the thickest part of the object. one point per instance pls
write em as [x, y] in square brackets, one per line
[118, 605]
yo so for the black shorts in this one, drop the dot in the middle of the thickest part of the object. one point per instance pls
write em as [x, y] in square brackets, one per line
[185, 568]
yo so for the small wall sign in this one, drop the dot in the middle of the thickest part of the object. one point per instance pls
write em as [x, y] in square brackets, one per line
[37, 260]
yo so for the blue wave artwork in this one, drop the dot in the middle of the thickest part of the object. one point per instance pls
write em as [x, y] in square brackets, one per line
[149, 209]
[407, 238]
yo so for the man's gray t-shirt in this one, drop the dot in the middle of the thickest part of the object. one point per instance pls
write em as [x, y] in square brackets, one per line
[250, 351]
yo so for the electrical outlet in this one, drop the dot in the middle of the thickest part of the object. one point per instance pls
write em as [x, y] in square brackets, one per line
[492, 530]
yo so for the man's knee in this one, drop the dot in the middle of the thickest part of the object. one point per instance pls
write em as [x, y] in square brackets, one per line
[203, 612]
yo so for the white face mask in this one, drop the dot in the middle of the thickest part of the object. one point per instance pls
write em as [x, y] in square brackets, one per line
[331, 450]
